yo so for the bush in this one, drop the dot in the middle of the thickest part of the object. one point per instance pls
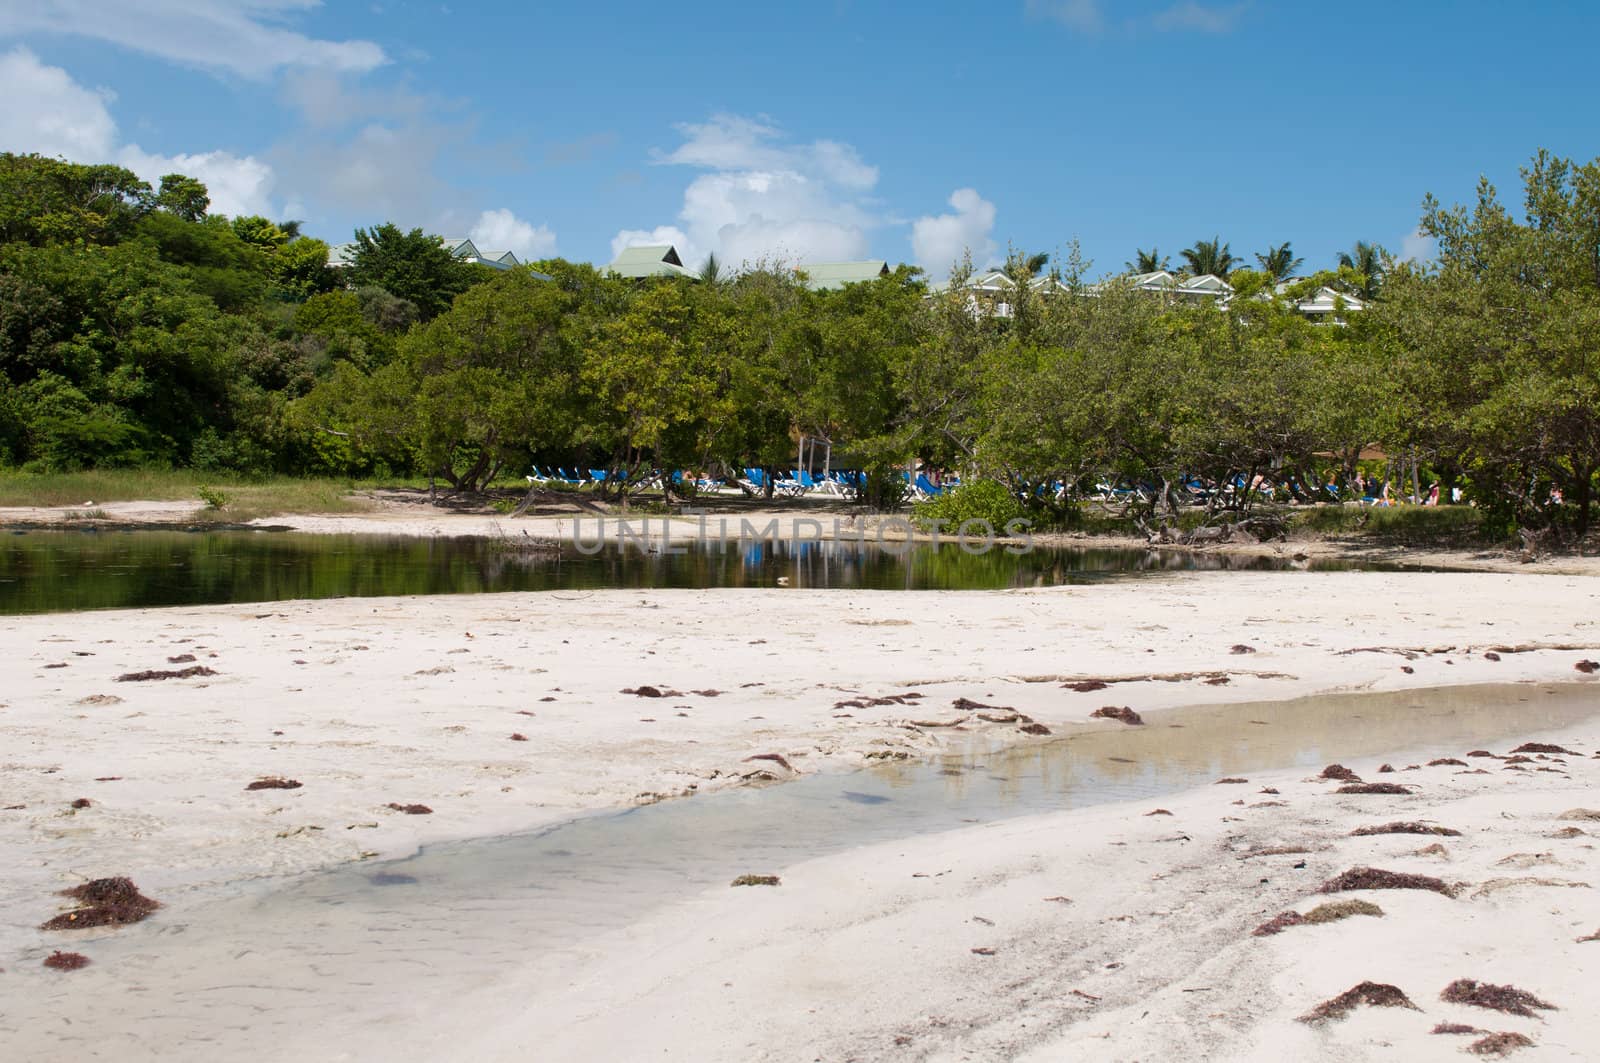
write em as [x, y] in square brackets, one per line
[986, 500]
[213, 498]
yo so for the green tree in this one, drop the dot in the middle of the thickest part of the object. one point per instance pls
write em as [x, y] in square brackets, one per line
[45, 201]
[1151, 261]
[412, 265]
[1210, 257]
[183, 196]
[1279, 262]
[1366, 262]
[1497, 344]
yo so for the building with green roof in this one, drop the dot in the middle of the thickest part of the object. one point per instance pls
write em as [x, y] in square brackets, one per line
[653, 260]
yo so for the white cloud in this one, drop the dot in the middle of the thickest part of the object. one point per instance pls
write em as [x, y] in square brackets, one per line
[765, 198]
[1418, 246]
[1201, 18]
[501, 230]
[1084, 16]
[1090, 16]
[940, 241]
[378, 172]
[49, 113]
[237, 185]
[244, 37]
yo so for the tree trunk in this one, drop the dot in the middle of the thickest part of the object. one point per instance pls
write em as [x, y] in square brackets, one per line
[1583, 491]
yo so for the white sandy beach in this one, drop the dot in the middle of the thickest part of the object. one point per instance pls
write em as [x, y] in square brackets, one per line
[373, 701]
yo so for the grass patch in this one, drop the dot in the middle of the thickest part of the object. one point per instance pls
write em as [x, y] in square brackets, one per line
[244, 498]
[1400, 525]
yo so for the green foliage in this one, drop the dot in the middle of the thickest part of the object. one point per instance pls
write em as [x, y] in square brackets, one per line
[978, 500]
[1210, 256]
[213, 498]
[1151, 261]
[183, 196]
[45, 201]
[1407, 525]
[1279, 263]
[412, 265]
[138, 330]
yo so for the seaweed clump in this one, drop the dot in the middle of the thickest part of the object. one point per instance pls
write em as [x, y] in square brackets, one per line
[756, 880]
[1500, 1044]
[1374, 788]
[275, 783]
[1278, 924]
[66, 961]
[1331, 912]
[1334, 911]
[1545, 747]
[410, 810]
[1340, 772]
[1372, 878]
[1371, 994]
[1405, 827]
[156, 674]
[1440, 762]
[1506, 998]
[1119, 712]
[104, 902]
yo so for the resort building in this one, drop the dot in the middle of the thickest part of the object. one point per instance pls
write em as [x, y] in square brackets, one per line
[828, 276]
[342, 255]
[651, 260]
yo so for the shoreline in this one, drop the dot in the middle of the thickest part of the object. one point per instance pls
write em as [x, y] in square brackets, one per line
[373, 701]
[416, 520]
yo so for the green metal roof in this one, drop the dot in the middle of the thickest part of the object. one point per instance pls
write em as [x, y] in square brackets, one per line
[825, 276]
[655, 260]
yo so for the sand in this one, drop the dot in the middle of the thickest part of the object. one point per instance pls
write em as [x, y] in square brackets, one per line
[1108, 934]
[369, 702]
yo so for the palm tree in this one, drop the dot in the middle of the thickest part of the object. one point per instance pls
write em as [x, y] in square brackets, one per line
[1366, 260]
[1210, 256]
[1279, 262]
[711, 272]
[1151, 261]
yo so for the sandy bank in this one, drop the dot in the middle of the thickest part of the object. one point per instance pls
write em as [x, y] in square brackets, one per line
[368, 702]
[1120, 933]
[409, 514]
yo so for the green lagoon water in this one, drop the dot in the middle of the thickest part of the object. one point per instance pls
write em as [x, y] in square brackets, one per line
[55, 571]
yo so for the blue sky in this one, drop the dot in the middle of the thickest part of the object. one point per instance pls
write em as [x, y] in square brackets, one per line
[815, 131]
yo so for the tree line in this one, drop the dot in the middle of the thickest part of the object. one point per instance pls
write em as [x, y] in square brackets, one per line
[137, 328]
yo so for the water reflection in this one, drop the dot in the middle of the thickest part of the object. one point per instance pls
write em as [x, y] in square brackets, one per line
[48, 571]
[299, 965]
